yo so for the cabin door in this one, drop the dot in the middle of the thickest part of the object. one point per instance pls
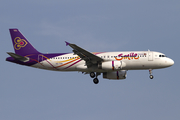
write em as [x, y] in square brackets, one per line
[150, 56]
[40, 58]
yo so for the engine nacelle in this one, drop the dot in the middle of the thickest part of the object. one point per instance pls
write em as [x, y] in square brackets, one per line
[116, 75]
[112, 65]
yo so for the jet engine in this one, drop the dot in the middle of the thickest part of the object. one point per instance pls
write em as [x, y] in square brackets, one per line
[116, 75]
[112, 65]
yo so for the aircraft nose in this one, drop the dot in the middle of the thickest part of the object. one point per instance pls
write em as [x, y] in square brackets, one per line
[170, 62]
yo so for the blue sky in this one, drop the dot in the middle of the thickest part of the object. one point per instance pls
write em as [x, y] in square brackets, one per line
[97, 25]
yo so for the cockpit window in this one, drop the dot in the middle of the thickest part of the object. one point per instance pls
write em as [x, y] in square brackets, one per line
[162, 56]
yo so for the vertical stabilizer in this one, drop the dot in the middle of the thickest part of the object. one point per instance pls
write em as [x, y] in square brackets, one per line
[21, 44]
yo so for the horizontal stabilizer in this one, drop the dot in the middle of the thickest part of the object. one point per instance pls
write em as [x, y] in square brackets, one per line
[18, 57]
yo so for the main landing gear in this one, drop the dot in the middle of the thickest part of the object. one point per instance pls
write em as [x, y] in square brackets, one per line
[150, 72]
[95, 80]
[92, 75]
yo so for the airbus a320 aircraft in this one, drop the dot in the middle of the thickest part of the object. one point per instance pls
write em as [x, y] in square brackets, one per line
[113, 65]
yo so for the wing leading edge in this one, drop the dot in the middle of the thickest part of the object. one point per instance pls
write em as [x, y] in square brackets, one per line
[89, 57]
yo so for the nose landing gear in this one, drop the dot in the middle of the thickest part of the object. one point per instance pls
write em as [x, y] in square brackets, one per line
[150, 72]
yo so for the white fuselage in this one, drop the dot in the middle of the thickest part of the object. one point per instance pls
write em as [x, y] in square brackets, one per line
[113, 65]
[132, 60]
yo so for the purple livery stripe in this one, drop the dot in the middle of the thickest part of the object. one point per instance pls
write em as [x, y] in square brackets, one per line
[112, 65]
[51, 64]
[73, 64]
[117, 74]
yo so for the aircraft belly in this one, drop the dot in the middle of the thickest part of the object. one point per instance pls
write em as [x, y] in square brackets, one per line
[51, 65]
[140, 65]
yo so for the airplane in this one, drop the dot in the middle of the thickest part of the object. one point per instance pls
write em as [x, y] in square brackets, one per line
[112, 65]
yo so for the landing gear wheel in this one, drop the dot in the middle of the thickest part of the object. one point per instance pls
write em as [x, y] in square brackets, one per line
[150, 72]
[96, 81]
[92, 74]
[151, 76]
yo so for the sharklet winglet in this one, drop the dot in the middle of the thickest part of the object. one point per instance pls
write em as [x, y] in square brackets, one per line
[67, 43]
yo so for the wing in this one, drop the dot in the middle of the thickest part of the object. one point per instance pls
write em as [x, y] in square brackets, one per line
[89, 57]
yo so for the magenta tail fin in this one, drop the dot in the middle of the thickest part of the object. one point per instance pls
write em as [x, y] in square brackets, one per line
[21, 44]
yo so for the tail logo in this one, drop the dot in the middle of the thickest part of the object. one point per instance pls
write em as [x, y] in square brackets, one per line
[19, 43]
